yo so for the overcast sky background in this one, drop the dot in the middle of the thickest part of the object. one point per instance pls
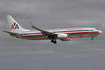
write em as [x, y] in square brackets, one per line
[78, 54]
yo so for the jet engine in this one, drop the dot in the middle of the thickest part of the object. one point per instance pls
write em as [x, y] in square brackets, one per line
[63, 37]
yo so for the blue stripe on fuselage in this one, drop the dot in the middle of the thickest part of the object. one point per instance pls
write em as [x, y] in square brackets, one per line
[58, 32]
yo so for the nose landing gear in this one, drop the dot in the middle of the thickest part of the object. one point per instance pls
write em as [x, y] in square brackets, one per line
[92, 39]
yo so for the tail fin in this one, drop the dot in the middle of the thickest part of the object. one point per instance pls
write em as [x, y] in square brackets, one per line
[14, 26]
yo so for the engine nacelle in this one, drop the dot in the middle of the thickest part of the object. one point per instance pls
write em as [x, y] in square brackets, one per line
[64, 37]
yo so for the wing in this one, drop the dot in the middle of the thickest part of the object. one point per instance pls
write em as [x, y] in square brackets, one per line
[46, 33]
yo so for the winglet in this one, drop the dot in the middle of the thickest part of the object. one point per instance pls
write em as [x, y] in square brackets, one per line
[31, 23]
[34, 26]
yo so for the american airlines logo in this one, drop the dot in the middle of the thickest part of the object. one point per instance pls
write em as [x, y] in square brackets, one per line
[14, 26]
[75, 29]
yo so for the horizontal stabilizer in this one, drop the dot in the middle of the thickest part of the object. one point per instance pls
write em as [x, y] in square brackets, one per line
[11, 33]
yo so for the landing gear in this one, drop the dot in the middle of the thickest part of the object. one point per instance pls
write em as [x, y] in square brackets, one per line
[92, 39]
[54, 41]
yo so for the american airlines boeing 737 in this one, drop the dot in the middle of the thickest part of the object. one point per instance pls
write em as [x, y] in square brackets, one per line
[61, 34]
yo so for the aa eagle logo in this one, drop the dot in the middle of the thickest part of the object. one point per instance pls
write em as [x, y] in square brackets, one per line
[14, 26]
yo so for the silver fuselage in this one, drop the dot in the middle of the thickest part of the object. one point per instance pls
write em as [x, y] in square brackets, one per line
[71, 32]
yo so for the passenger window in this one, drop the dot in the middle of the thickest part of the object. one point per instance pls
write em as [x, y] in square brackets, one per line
[92, 30]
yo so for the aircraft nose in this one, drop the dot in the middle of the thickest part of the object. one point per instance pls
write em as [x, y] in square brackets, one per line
[100, 32]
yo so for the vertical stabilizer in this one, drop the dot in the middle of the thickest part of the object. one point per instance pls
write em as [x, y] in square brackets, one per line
[14, 26]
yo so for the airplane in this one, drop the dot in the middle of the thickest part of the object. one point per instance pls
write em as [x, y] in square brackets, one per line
[52, 34]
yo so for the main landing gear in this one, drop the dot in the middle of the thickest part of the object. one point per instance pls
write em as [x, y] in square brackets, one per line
[54, 41]
[92, 39]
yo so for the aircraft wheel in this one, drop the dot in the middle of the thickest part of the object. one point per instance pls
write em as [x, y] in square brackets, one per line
[54, 41]
[92, 39]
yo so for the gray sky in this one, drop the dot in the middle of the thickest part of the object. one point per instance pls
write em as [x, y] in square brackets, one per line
[78, 54]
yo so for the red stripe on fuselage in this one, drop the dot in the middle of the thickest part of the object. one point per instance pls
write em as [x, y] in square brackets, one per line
[82, 32]
[31, 35]
[63, 33]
